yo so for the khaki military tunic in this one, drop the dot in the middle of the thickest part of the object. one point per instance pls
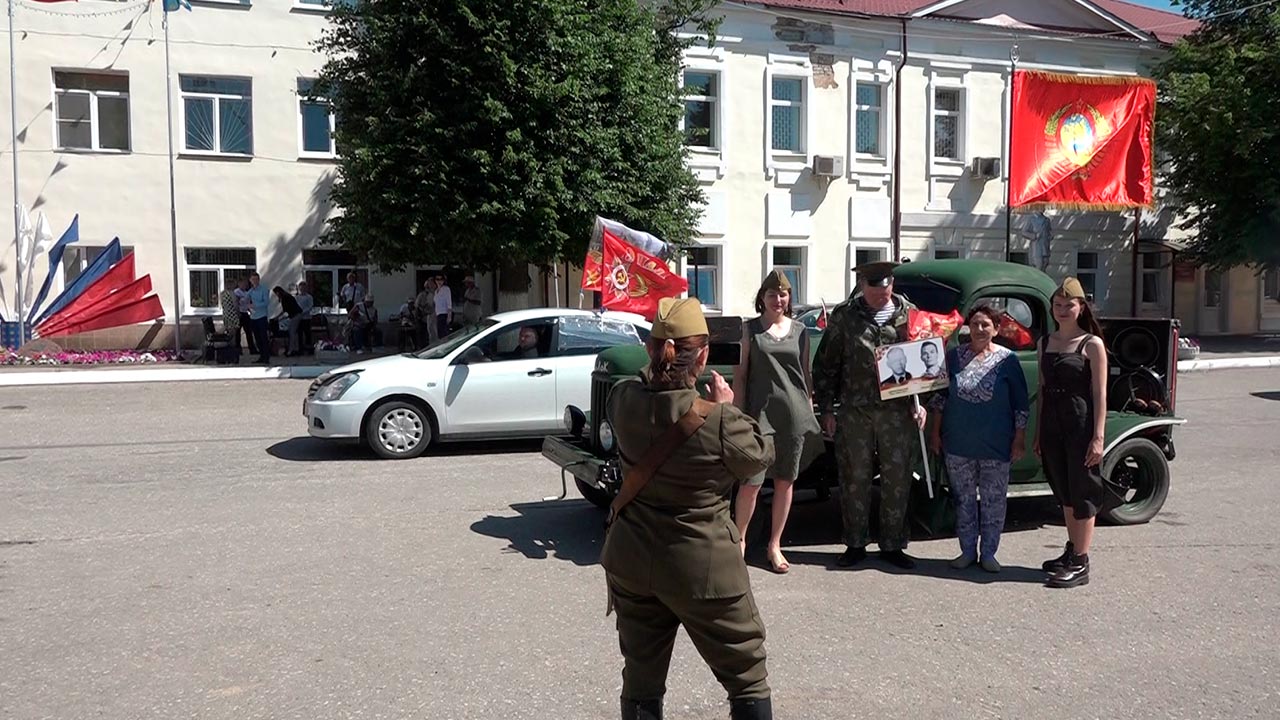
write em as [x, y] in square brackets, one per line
[672, 556]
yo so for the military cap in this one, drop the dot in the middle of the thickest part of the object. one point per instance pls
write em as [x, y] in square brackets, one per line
[1071, 289]
[679, 318]
[877, 274]
[776, 280]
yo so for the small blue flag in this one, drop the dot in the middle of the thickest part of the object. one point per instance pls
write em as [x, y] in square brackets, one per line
[171, 5]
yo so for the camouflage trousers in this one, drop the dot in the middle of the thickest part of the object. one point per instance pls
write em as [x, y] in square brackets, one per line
[886, 431]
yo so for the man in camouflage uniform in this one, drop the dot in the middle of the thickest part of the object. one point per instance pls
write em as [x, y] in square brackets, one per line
[864, 426]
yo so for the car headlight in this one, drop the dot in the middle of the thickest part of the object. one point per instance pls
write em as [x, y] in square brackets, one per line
[335, 388]
[606, 436]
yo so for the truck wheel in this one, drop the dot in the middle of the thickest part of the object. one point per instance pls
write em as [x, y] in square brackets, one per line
[1139, 466]
[594, 495]
[398, 430]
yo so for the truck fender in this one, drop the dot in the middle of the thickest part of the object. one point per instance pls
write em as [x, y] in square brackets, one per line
[1139, 429]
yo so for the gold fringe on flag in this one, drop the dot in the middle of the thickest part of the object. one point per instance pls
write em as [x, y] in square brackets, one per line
[1092, 79]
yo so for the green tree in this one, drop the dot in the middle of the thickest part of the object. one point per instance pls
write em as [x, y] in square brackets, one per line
[485, 133]
[1217, 124]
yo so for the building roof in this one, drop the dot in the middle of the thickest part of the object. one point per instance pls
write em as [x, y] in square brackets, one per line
[1165, 26]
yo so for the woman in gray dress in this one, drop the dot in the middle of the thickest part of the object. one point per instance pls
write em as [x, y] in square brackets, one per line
[774, 385]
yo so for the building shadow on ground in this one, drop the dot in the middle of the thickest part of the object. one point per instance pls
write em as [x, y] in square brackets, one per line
[570, 530]
[309, 449]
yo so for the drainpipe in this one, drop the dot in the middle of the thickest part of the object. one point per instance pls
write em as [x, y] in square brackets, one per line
[897, 147]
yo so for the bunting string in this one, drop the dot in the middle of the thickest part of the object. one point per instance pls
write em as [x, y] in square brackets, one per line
[129, 7]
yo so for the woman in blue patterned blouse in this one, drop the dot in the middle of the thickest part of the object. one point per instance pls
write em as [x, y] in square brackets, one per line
[982, 432]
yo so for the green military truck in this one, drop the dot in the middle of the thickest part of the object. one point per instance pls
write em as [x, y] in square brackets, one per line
[1142, 389]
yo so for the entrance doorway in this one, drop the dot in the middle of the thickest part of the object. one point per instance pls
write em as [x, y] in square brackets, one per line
[1212, 290]
[1269, 312]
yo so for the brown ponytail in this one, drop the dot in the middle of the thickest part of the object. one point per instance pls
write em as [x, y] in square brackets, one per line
[673, 364]
[1088, 321]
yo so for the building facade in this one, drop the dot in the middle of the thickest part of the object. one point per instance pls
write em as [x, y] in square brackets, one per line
[799, 119]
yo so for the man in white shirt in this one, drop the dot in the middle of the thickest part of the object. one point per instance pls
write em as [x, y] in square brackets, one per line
[352, 293]
[308, 304]
[243, 304]
[444, 306]
[426, 303]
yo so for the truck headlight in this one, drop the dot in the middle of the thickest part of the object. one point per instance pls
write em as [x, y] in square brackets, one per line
[606, 436]
[574, 421]
[334, 389]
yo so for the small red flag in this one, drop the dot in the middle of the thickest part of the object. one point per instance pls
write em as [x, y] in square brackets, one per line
[1081, 142]
[633, 280]
[921, 324]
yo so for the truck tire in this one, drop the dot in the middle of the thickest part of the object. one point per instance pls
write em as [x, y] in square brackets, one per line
[594, 495]
[1140, 466]
[398, 430]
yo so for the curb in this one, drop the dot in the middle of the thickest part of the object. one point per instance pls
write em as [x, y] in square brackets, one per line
[151, 375]
[1237, 363]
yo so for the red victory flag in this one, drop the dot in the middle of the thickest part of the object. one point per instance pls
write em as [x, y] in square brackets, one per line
[1081, 142]
[633, 280]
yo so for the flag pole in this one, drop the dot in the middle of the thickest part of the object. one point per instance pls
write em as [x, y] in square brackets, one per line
[1008, 160]
[173, 204]
[17, 207]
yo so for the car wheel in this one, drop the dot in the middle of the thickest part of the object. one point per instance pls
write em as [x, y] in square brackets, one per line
[594, 495]
[398, 430]
[1140, 468]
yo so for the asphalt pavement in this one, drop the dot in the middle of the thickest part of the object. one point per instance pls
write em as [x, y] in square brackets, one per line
[178, 551]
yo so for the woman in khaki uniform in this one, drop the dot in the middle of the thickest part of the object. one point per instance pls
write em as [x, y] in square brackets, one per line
[671, 555]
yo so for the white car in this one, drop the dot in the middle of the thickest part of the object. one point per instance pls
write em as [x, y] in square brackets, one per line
[481, 382]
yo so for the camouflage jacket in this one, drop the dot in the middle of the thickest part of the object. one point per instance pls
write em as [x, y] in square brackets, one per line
[844, 368]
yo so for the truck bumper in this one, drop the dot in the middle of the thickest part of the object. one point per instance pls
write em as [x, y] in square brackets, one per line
[571, 457]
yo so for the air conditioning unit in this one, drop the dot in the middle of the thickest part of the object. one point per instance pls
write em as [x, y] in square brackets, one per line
[828, 166]
[985, 168]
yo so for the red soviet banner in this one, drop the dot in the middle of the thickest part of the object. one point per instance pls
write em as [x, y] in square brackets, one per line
[633, 280]
[1081, 142]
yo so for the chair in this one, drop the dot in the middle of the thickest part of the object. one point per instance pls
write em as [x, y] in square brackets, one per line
[217, 345]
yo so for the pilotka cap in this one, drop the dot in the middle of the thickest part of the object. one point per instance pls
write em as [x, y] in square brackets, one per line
[679, 318]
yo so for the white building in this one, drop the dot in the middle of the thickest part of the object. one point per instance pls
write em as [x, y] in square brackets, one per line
[789, 81]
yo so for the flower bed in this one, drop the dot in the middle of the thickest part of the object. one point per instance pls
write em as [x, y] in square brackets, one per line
[88, 357]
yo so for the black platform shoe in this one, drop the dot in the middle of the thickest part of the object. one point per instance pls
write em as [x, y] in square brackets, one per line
[641, 709]
[751, 709]
[1056, 564]
[851, 556]
[1074, 574]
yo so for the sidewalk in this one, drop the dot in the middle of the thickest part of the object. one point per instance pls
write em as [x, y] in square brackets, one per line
[1234, 351]
[281, 368]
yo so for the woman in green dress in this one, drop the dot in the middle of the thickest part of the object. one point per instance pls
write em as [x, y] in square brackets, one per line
[774, 385]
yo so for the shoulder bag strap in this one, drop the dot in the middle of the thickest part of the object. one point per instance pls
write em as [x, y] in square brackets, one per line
[641, 473]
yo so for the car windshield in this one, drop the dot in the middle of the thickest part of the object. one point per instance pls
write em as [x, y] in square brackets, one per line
[456, 339]
[929, 295]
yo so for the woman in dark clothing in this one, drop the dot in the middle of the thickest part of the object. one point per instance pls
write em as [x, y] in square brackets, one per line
[291, 308]
[671, 554]
[1070, 434]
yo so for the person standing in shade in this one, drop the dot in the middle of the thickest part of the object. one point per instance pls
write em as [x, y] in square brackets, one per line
[242, 299]
[290, 307]
[426, 306]
[230, 305]
[444, 307]
[259, 309]
[352, 293]
[868, 428]
[308, 305]
[773, 386]
[1071, 433]
[471, 308]
[981, 431]
[671, 555]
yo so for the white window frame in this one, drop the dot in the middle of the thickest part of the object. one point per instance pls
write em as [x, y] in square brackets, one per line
[1099, 274]
[716, 104]
[962, 122]
[322, 7]
[217, 116]
[685, 266]
[948, 249]
[787, 166]
[851, 260]
[1161, 280]
[95, 142]
[708, 163]
[188, 268]
[801, 297]
[303, 153]
[882, 112]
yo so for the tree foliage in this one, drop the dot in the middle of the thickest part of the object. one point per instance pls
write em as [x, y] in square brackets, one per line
[1218, 125]
[485, 133]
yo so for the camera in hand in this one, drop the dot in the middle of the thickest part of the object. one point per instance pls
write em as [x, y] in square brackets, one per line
[726, 340]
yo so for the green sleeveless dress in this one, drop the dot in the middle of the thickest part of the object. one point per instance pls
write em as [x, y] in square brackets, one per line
[778, 398]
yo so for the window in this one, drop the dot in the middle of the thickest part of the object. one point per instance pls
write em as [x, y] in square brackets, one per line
[1271, 284]
[217, 114]
[1018, 257]
[947, 126]
[527, 341]
[946, 254]
[863, 256]
[212, 270]
[868, 119]
[1023, 322]
[589, 335]
[702, 270]
[326, 272]
[78, 258]
[1212, 288]
[324, 5]
[787, 114]
[92, 110]
[790, 262]
[1152, 270]
[701, 109]
[315, 123]
[1087, 273]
